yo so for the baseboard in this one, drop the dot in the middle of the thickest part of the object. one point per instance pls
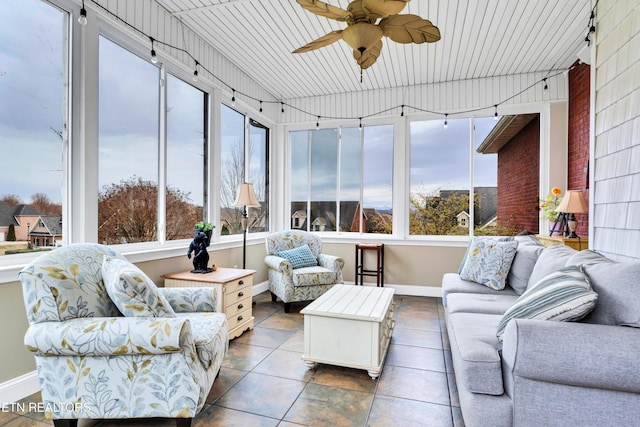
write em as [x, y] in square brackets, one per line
[410, 290]
[19, 387]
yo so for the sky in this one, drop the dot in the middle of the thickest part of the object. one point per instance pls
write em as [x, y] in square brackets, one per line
[31, 111]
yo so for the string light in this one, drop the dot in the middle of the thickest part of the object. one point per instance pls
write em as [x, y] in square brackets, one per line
[318, 123]
[154, 58]
[446, 124]
[82, 19]
[233, 98]
[495, 115]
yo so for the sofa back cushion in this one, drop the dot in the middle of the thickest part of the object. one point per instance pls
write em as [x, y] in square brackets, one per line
[551, 259]
[66, 283]
[618, 288]
[529, 249]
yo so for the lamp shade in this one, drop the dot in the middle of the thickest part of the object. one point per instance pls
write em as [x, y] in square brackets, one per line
[246, 196]
[573, 202]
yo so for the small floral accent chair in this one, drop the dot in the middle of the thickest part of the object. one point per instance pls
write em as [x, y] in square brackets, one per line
[95, 363]
[305, 283]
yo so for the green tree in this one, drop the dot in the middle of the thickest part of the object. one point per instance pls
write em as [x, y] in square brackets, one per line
[11, 234]
[431, 214]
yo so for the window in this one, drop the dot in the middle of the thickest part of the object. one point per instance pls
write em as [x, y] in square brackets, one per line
[128, 146]
[130, 142]
[439, 178]
[341, 179]
[34, 82]
[186, 157]
[244, 157]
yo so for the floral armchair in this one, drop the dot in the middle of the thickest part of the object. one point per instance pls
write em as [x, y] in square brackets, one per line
[159, 360]
[303, 283]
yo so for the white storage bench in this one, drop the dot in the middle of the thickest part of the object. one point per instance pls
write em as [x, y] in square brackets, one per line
[349, 326]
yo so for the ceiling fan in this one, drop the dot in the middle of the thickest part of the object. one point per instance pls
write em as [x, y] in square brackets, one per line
[367, 22]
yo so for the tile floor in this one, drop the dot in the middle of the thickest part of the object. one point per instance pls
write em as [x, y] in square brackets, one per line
[263, 381]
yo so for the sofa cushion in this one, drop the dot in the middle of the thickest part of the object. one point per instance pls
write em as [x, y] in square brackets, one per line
[481, 238]
[551, 259]
[565, 295]
[618, 288]
[453, 284]
[529, 249]
[480, 303]
[474, 342]
[488, 262]
[299, 257]
[311, 276]
[587, 257]
[132, 291]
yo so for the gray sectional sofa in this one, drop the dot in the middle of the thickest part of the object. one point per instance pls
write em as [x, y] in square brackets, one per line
[547, 373]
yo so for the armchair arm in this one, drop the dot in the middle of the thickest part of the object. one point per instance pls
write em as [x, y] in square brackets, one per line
[578, 354]
[192, 300]
[331, 262]
[279, 264]
[108, 336]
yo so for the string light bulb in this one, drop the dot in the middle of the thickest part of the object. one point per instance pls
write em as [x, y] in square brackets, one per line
[360, 126]
[195, 73]
[154, 58]
[546, 86]
[261, 106]
[233, 98]
[82, 19]
[318, 123]
[282, 107]
[446, 124]
[402, 111]
[495, 115]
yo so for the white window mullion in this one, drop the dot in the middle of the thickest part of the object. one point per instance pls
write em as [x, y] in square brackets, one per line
[162, 156]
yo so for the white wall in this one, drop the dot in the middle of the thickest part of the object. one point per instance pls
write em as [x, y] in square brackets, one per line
[615, 159]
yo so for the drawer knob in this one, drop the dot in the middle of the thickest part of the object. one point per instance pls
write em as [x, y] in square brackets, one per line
[240, 306]
[241, 282]
[240, 318]
[240, 294]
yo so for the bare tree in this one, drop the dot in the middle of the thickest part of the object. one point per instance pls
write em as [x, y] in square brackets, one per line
[11, 199]
[41, 203]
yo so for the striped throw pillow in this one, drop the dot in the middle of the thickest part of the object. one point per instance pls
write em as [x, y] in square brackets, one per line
[564, 295]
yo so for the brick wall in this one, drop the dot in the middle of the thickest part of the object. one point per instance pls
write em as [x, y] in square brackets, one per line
[578, 138]
[519, 179]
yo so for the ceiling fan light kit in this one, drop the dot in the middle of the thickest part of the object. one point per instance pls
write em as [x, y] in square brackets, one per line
[367, 22]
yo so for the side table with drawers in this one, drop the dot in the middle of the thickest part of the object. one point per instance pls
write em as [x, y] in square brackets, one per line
[234, 290]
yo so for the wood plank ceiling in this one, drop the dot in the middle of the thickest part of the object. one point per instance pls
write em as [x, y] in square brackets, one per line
[480, 38]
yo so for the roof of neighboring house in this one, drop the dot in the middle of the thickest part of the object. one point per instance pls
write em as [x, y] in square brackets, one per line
[9, 213]
[486, 203]
[503, 132]
[53, 224]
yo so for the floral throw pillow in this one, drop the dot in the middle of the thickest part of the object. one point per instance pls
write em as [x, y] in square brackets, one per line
[132, 291]
[488, 262]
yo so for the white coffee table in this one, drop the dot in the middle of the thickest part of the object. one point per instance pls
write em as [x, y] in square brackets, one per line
[349, 326]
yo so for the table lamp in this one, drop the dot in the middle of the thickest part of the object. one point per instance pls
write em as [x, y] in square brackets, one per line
[572, 203]
[245, 197]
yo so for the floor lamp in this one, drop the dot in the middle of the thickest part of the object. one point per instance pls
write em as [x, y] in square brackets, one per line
[245, 197]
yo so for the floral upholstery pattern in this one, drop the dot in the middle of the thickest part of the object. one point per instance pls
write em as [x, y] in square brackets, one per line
[94, 363]
[192, 300]
[132, 291]
[302, 284]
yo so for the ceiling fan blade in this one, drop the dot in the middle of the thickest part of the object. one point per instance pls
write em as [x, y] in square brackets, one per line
[323, 41]
[409, 29]
[384, 8]
[323, 9]
[369, 57]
